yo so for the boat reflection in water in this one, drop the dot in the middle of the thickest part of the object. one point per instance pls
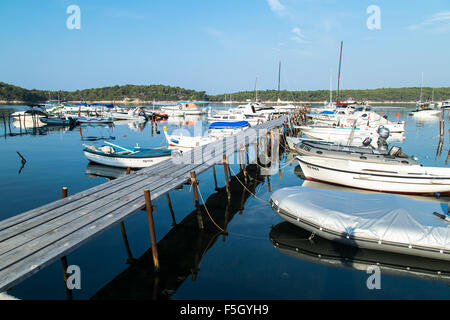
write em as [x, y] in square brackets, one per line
[291, 241]
[99, 170]
[181, 250]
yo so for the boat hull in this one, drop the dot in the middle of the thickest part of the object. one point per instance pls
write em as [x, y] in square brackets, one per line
[393, 230]
[122, 162]
[369, 178]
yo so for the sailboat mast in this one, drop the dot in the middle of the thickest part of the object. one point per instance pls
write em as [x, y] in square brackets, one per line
[331, 94]
[279, 76]
[421, 86]
[256, 90]
[339, 73]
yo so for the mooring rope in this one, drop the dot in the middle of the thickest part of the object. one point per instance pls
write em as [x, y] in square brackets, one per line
[206, 209]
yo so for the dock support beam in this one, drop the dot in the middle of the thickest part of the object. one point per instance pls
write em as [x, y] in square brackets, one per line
[194, 183]
[130, 259]
[174, 222]
[225, 168]
[149, 208]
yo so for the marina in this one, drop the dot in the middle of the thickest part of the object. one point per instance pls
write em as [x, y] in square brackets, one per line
[252, 203]
[224, 158]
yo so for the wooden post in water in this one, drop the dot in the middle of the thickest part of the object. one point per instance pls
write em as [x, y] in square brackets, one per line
[20, 124]
[214, 176]
[9, 124]
[4, 122]
[128, 171]
[225, 168]
[194, 183]
[149, 208]
[125, 241]
[171, 209]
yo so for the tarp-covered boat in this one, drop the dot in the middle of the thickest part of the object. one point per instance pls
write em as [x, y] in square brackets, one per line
[380, 222]
[227, 128]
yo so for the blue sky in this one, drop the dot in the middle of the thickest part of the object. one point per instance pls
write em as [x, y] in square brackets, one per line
[224, 45]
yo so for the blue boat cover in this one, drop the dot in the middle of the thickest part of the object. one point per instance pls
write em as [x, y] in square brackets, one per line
[327, 112]
[228, 125]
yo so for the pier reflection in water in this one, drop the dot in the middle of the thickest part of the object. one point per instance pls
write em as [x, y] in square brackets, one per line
[183, 247]
[293, 241]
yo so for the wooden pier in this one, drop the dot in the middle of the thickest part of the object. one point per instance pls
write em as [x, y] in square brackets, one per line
[34, 239]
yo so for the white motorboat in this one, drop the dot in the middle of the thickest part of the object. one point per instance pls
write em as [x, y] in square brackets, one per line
[384, 177]
[189, 142]
[382, 222]
[220, 129]
[182, 109]
[133, 114]
[445, 104]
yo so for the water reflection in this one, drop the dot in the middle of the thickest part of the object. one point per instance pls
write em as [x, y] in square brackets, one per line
[183, 247]
[290, 240]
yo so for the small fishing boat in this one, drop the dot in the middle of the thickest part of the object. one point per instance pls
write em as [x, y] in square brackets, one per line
[220, 129]
[182, 109]
[58, 121]
[383, 222]
[93, 120]
[290, 240]
[396, 177]
[182, 141]
[116, 156]
[392, 156]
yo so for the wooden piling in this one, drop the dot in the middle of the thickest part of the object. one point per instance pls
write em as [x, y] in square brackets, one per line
[4, 122]
[225, 168]
[149, 208]
[127, 244]
[194, 183]
[128, 171]
[171, 210]
[215, 178]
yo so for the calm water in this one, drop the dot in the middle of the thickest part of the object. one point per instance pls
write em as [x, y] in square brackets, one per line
[199, 265]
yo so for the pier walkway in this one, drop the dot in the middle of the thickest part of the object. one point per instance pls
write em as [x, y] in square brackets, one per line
[34, 239]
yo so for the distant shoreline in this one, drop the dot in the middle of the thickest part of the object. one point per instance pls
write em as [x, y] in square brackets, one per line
[18, 102]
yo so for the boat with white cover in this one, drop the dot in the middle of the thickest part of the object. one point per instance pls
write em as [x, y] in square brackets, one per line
[383, 222]
[220, 129]
[384, 177]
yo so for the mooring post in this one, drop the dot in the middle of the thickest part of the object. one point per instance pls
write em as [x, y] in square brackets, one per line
[225, 168]
[4, 122]
[268, 184]
[9, 124]
[171, 209]
[194, 183]
[125, 241]
[225, 223]
[128, 171]
[149, 208]
[215, 178]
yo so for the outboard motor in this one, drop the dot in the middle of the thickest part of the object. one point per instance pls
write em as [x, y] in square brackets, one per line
[383, 133]
[385, 116]
[397, 152]
[367, 141]
[143, 114]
